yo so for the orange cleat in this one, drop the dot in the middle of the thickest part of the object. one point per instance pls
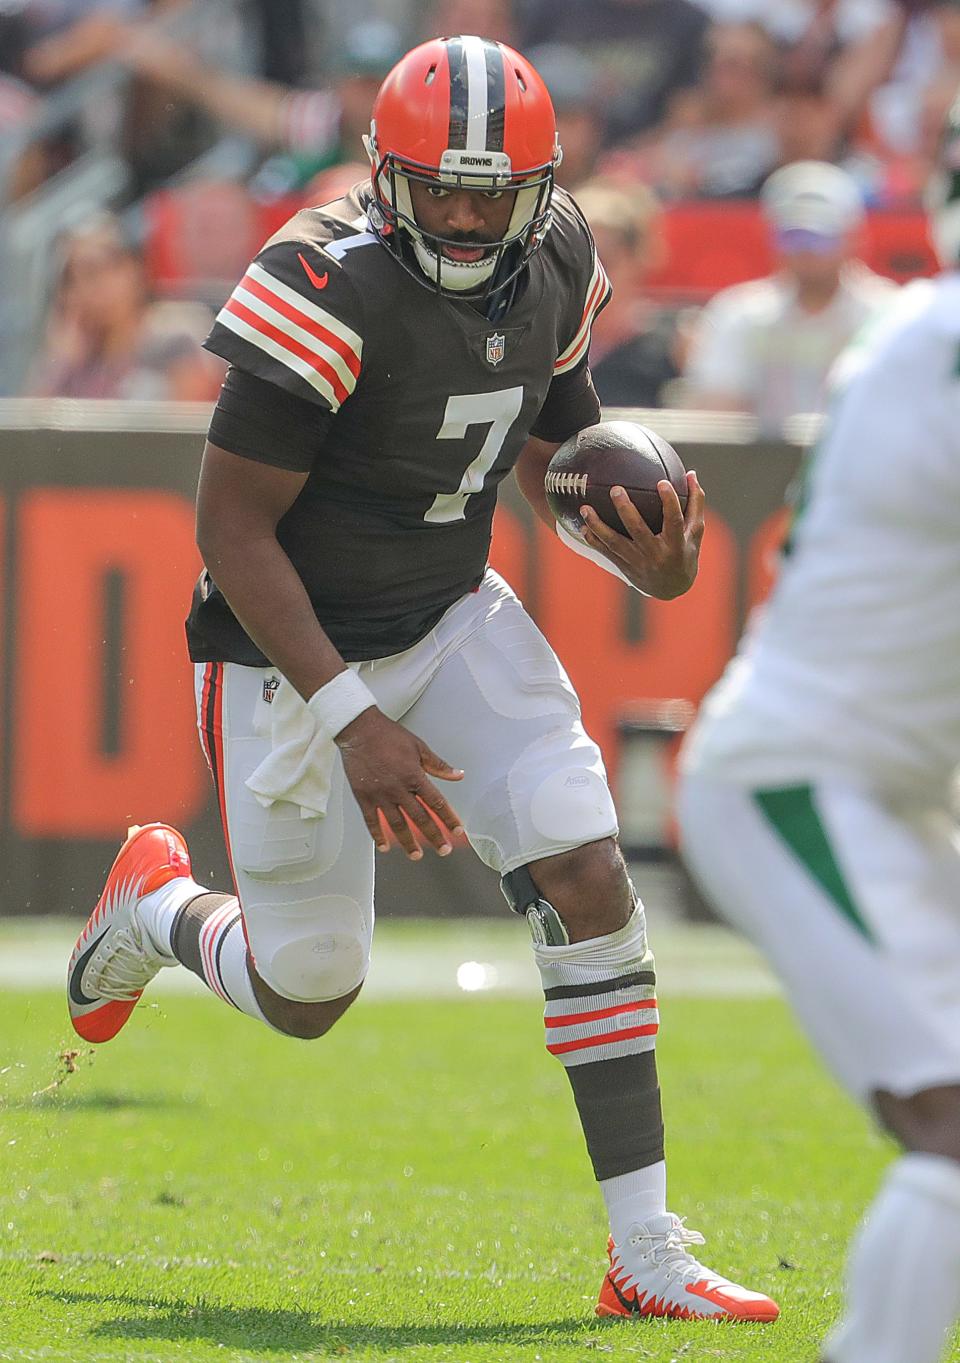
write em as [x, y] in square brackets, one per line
[114, 959]
[654, 1274]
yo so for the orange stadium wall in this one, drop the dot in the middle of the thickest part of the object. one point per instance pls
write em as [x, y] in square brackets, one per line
[97, 725]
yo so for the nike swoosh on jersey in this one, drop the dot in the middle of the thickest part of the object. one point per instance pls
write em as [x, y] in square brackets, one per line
[319, 281]
[76, 975]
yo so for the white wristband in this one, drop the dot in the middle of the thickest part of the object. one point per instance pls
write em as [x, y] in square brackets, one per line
[338, 703]
[594, 556]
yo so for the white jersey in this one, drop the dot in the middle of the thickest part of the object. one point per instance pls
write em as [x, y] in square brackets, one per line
[854, 663]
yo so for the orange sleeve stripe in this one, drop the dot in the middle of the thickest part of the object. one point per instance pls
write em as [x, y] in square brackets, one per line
[281, 338]
[303, 320]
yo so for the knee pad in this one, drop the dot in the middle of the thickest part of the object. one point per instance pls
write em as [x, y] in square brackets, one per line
[573, 805]
[317, 957]
[545, 924]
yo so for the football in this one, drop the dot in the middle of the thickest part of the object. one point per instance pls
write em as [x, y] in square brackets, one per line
[611, 454]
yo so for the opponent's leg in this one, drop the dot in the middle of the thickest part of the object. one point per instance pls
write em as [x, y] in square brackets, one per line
[903, 1275]
[856, 908]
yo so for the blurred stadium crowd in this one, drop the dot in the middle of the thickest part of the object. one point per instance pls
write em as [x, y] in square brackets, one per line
[753, 171]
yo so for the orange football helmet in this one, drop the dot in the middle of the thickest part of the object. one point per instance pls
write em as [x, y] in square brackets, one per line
[468, 113]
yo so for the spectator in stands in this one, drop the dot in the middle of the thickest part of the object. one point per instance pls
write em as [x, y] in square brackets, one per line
[284, 29]
[766, 347]
[66, 36]
[312, 129]
[805, 122]
[826, 26]
[22, 167]
[644, 52]
[908, 111]
[488, 18]
[105, 339]
[634, 353]
[571, 79]
[848, 46]
[719, 139]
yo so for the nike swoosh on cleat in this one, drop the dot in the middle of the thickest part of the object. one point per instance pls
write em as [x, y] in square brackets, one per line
[76, 974]
[632, 1306]
[317, 280]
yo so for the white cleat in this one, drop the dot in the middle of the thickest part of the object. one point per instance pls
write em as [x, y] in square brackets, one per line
[654, 1274]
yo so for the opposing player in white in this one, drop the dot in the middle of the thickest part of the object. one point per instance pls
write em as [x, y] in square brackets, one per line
[815, 800]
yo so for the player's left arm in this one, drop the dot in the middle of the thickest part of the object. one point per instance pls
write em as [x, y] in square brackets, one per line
[663, 565]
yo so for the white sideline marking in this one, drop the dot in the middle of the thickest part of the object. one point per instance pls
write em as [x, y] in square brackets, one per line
[423, 959]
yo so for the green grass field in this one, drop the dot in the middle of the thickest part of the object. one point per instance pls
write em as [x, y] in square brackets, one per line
[412, 1187]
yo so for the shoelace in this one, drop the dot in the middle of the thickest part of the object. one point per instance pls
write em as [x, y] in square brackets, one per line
[668, 1250]
[127, 970]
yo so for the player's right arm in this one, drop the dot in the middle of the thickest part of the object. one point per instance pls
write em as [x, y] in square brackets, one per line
[240, 502]
[292, 331]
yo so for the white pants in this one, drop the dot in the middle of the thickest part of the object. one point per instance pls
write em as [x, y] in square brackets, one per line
[857, 906]
[487, 693]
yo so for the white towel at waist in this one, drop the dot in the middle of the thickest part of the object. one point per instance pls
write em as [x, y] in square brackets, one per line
[299, 766]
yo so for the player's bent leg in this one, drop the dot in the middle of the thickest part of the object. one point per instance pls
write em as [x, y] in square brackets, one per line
[300, 948]
[310, 963]
[308, 1021]
[323, 968]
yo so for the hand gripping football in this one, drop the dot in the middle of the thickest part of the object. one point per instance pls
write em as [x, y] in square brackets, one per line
[613, 453]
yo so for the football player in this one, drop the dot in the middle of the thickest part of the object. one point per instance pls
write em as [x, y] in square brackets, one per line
[816, 802]
[393, 356]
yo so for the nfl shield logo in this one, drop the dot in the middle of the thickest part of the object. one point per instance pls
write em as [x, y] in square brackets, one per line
[495, 348]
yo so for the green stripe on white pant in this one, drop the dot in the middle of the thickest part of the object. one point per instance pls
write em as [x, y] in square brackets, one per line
[857, 907]
[792, 811]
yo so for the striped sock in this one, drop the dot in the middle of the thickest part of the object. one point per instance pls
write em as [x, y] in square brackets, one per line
[207, 937]
[602, 1020]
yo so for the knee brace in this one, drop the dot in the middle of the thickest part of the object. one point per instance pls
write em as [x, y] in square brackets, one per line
[315, 957]
[545, 924]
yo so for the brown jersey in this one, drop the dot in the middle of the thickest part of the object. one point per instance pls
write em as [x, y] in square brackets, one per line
[422, 408]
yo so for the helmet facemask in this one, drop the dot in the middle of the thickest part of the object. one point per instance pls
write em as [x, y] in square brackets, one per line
[393, 219]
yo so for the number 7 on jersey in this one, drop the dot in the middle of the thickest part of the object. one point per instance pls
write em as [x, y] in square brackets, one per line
[498, 410]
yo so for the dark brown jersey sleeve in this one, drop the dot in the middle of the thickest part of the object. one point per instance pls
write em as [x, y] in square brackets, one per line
[261, 421]
[590, 293]
[570, 406]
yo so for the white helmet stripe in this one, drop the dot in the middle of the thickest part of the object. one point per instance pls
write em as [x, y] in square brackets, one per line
[476, 93]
